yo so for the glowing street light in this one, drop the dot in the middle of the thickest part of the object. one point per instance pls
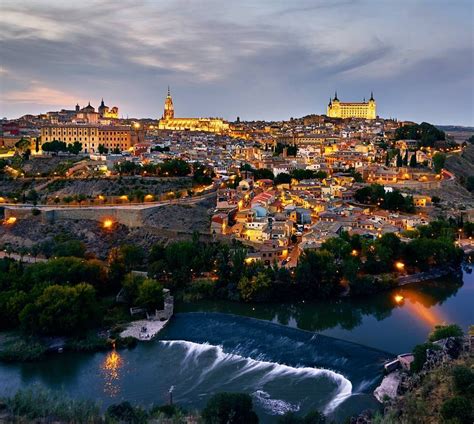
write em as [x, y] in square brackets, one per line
[10, 221]
[107, 224]
[400, 266]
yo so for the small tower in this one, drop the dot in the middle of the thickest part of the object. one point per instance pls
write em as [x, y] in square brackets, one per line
[371, 107]
[78, 108]
[169, 108]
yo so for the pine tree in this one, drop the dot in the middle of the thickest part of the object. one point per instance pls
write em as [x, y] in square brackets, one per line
[413, 162]
[399, 160]
[405, 159]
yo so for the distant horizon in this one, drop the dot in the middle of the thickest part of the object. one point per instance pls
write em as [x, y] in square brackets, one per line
[260, 60]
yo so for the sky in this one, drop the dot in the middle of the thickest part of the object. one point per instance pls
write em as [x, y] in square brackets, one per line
[255, 59]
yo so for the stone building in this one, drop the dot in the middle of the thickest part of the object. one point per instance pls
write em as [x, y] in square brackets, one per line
[363, 110]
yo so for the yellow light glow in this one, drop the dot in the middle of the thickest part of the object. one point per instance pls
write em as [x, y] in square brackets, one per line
[354, 253]
[398, 298]
[100, 197]
[400, 266]
[111, 370]
[124, 197]
[149, 197]
[107, 224]
[2, 199]
[10, 221]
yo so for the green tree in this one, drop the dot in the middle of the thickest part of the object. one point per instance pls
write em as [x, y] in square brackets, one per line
[458, 409]
[229, 408]
[413, 162]
[399, 161]
[102, 149]
[283, 178]
[254, 288]
[54, 146]
[439, 160]
[74, 148]
[62, 310]
[444, 331]
[150, 295]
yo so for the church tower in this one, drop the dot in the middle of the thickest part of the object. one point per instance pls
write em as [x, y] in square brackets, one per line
[169, 108]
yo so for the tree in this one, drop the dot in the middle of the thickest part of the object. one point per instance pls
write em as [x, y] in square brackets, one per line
[74, 148]
[444, 331]
[62, 310]
[229, 408]
[458, 409]
[399, 161]
[463, 378]
[405, 159]
[150, 295]
[439, 160]
[54, 146]
[413, 162]
[126, 413]
[22, 145]
[282, 178]
[254, 288]
[312, 417]
[419, 355]
[102, 149]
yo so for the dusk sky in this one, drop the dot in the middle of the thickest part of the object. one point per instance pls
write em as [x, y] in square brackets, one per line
[254, 59]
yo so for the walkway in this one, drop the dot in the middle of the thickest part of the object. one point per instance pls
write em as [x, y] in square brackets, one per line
[135, 329]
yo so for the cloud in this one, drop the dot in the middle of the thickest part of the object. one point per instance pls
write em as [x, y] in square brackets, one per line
[40, 95]
[262, 59]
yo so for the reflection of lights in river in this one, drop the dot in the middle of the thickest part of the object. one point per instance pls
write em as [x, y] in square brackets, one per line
[398, 298]
[111, 366]
[421, 307]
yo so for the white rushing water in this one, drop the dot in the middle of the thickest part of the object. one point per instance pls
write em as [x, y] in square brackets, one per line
[213, 359]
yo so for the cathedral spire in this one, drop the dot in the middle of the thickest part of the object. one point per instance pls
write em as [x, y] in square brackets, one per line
[372, 95]
[335, 96]
[169, 92]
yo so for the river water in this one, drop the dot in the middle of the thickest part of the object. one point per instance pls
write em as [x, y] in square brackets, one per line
[326, 355]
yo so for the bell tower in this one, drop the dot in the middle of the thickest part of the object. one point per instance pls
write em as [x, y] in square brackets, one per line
[169, 108]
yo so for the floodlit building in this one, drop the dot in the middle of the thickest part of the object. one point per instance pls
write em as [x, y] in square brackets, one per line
[364, 110]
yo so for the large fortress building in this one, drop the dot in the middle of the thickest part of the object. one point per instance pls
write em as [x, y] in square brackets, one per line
[363, 110]
[169, 122]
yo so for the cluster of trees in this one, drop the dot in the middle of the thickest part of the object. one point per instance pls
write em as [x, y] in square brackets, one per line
[425, 132]
[403, 161]
[375, 194]
[362, 264]
[68, 295]
[40, 404]
[56, 146]
[169, 168]
[291, 150]
[283, 177]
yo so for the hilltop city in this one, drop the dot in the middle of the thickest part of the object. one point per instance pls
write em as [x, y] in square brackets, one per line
[109, 223]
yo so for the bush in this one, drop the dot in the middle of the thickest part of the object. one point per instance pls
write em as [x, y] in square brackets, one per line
[444, 331]
[39, 403]
[24, 350]
[124, 412]
[463, 379]
[457, 408]
[419, 353]
[229, 408]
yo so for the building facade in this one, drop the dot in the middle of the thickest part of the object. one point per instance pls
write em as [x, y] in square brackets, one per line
[169, 122]
[363, 110]
[91, 136]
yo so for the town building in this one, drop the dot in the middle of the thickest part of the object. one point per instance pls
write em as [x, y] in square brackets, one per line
[169, 122]
[364, 110]
[91, 136]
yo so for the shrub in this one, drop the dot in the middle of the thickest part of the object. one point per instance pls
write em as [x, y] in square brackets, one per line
[39, 403]
[457, 408]
[444, 331]
[124, 412]
[229, 408]
[23, 351]
[419, 353]
[463, 379]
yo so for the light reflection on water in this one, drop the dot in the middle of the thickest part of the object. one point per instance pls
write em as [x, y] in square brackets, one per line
[421, 306]
[111, 368]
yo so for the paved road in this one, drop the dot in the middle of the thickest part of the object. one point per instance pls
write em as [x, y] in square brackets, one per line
[147, 205]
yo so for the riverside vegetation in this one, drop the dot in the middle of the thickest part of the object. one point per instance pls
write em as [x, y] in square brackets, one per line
[440, 386]
[38, 404]
[73, 295]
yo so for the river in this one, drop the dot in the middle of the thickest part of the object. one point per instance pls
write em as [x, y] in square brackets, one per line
[324, 355]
